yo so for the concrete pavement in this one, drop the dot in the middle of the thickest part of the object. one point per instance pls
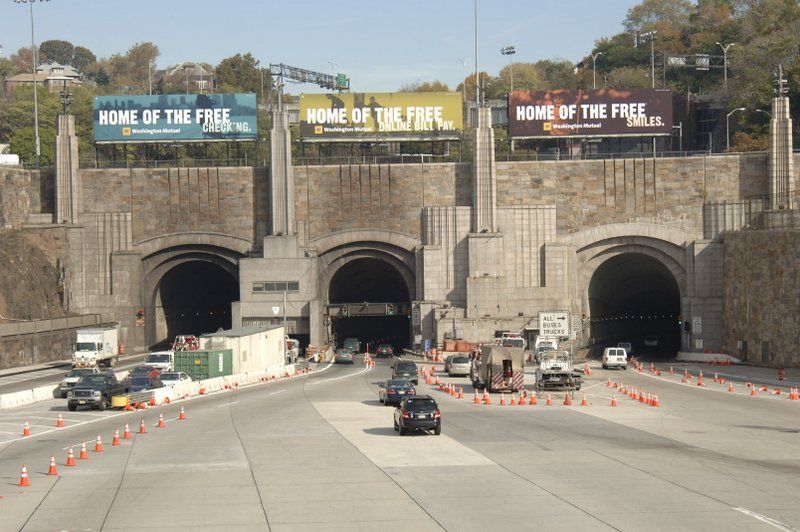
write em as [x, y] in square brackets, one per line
[319, 453]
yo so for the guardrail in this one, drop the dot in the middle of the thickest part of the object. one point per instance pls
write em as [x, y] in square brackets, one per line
[18, 328]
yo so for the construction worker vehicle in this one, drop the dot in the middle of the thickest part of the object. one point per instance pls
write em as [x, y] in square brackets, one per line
[499, 369]
[555, 371]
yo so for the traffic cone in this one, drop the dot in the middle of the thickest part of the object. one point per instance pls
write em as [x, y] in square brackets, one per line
[753, 391]
[142, 427]
[60, 422]
[655, 402]
[776, 391]
[716, 378]
[26, 430]
[613, 399]
[549, 401]
[671, 371]
[730, 387]
[514, 400]
[202, 391]
[567, 399]
[476, 400]
[587, 369]
[523, 400]
[700, 380]
[534, 401]
[583, 401]
[24, 481]
[84, 453]
[161, 423]
[70, 458]
[98, 446]
[115, 441]
[182, 415]
[608, 383]
[502, 399]
[460, 393]
[127, 434]
[487, 400]
[764, 388]
[53, 471]
[152, 401]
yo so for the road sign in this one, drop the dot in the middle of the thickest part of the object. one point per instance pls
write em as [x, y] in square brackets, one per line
[276, 310]
[576, 327]
[554, 323]
[697, 324]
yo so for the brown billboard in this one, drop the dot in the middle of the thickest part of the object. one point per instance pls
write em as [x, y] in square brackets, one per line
[590, 113]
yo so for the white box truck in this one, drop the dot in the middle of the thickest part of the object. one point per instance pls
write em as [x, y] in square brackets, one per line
[96, 346]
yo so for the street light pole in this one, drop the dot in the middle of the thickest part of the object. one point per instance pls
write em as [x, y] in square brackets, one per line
[35, 95]
[464, 62]
[477, 79]
[594, 68]
[725, 65]
[509, 51]
[728, 127]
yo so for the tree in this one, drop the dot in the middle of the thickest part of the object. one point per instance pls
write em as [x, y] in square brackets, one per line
[6, 69]
[22, 60]
[628, 78]
[129, 72]
[16, 122]
[239, 73]
[468, 85]
[58, 51]
[82, 58]
[425, 86]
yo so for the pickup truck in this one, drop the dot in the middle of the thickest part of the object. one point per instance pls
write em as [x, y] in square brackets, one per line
[95, 391]
[72, 378]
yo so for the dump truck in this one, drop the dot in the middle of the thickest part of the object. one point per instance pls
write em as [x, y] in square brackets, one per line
[96, 346]
[555, 371]
[499, 369]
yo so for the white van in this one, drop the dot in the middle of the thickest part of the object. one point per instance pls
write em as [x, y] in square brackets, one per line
[615, 357]
[161, 360]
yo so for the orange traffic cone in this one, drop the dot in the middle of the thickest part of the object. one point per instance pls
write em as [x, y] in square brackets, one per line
[567, 399]
[161, 423]
[608, 384]
[514, 400]
[730, 387]
[84, 453]
[764, 388]
[753, 391]
[142, 427]
[523, 399]
[52, 471]
[700, 380]
[487, 400]
[671, 371]
[26, 430]
[460, 393]
[60, 422]
[655, 401]
[549, 401]
[24, 481]
[202, 391]
[502, 399]
[70, 458]
[583, 401]
[534, 401]
[476, 400]
[776, 391]
[613, 399]
[98, 446]
[127, 434]
[182, 415]
[152, 401]
[115, 441]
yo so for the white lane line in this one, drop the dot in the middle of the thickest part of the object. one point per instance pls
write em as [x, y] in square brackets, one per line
[223, 405]
[767, 520]
[276, 392]
[341, 377]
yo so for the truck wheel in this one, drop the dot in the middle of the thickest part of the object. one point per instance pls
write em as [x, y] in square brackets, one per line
[72, 407]
[605, 367]
[101, 405]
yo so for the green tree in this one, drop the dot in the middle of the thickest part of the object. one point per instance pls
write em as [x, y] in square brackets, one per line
[58, 51]
[82, 58]
[239, 73]
[16, 123]
[22, 60]
[425, 86]
[129, 72]
[468, 85]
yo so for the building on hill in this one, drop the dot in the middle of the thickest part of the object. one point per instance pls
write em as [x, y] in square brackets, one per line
[54, 76]
[188, 76]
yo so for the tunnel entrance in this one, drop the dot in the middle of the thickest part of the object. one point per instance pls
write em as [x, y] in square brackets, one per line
[194, 298]
[632, 297]
[374, 282]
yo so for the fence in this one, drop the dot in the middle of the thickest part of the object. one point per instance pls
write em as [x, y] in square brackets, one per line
[49, 325]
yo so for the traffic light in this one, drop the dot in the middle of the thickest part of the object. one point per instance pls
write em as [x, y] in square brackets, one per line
[390, 309]
[687, 327]
[140, 314]
[680, 320]
[345, 313]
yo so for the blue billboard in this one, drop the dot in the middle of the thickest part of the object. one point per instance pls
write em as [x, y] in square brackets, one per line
[175, 117]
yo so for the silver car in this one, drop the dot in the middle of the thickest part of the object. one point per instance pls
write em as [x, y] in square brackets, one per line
[459, 366]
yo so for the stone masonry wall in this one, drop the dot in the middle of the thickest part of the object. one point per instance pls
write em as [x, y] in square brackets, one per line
[31, 349]
[761, 296]
[391, 197]
[24, 193]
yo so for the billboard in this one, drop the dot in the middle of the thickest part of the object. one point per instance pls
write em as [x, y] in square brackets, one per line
[380, 116]
[590, 113]
[175, 117]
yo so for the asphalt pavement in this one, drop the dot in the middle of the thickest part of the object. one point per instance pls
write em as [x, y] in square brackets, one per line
[318, 452]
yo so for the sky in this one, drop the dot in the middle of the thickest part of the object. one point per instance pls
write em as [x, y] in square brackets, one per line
[381, 44]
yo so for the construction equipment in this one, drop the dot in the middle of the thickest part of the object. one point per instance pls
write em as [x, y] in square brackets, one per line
[499, 369]
[555, 371]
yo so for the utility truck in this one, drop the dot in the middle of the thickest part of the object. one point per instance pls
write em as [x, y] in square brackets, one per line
[96, 346]
[555, 371]
[499, 369]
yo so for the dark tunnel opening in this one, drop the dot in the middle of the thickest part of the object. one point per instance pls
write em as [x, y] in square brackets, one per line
[371, 281]
[633, 297]
[195, 299]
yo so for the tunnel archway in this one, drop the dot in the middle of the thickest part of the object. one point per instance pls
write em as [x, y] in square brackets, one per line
[370, 280]
[632, 296]
[193, 297]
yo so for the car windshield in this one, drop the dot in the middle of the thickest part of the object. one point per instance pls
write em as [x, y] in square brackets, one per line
[86, 346]
[92, 380]
[80, 372]
[405, 368]
[423, 405]
[158, 359]
[170, 376]
[460, 360]
[384, 346]
[140, 381]
[398, 383]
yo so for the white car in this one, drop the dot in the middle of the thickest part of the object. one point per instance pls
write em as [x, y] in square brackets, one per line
[459, 366]
[615, 357]
[651, 340]
[171, 378]
[161, 360]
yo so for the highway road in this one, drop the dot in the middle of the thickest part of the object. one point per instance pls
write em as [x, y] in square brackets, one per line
[318, 452]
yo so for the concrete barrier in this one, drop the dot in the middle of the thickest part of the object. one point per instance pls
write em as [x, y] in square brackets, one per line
[706, 357]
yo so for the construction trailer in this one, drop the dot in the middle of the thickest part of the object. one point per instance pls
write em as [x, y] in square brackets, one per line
[499, 369]
[253, 348]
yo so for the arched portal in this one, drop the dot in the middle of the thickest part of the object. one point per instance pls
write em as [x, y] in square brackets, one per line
[368, 285]
[634, 297]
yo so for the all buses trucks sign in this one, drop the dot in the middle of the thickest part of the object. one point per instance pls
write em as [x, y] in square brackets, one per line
[175, 117]
[379, 116]
[590, 113]
[554, 323]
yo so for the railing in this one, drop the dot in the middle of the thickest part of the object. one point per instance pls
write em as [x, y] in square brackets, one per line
[48, 325]
[166, 163]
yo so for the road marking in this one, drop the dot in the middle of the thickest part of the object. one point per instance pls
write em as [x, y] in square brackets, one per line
[223, 405]
[341, 377]
[276, 392]
[767, 520]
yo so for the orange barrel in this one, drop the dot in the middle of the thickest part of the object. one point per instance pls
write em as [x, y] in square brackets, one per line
[449, 345]
[121, 349]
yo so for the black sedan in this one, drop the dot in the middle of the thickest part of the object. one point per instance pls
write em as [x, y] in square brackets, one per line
[418, 413]
[384, 351]
[343, 356]
[395, 390]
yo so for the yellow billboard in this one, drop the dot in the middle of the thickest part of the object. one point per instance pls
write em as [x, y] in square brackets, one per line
[380, 116]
